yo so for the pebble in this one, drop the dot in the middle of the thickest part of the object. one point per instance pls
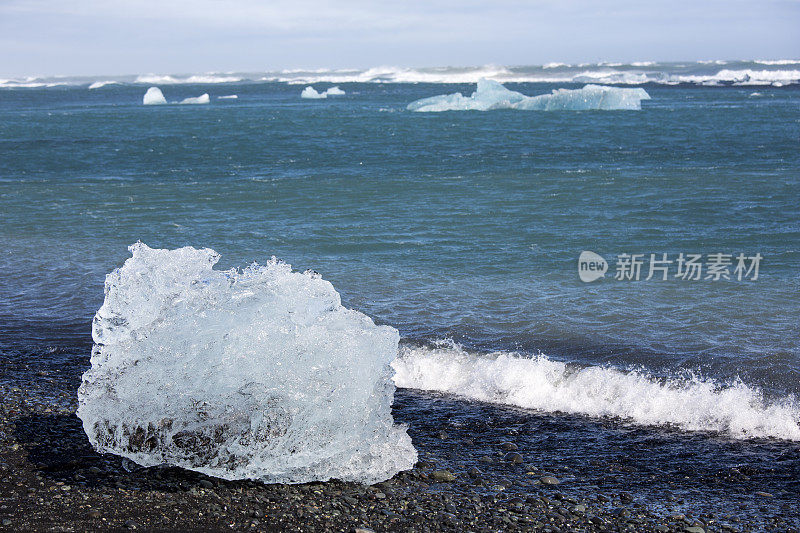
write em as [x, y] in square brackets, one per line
[509, 446]
[363, 530]
[206, 484]
[694, 529]
[6, 522]
[474, 472]
[513, 457]
[130, 524]
[94, 513]
[549, 480]
[443, 476]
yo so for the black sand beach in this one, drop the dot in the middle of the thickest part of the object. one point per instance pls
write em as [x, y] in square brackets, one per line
[482, 468]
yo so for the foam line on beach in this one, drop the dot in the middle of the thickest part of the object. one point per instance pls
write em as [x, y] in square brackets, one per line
[542, 384]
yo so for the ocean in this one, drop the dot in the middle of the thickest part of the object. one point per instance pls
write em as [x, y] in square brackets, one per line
[462, 229]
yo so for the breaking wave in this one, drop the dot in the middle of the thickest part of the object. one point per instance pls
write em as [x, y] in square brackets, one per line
[776, 72]
[539, 383]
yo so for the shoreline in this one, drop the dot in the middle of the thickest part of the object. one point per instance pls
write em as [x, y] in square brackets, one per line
[482, 468]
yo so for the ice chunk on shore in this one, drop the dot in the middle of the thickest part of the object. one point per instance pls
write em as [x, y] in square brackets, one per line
[311, 93]
[493, 95]
[202, 99]
[154, 96]
[258, 374]
[335, 91]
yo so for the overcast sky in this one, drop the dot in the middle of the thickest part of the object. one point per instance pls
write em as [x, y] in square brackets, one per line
[45, 37]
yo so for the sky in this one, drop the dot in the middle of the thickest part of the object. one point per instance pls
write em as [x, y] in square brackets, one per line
[91, 37]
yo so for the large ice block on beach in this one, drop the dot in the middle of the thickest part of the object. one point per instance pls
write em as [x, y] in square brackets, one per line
[258, 373]
[153, 96]
[493, 95]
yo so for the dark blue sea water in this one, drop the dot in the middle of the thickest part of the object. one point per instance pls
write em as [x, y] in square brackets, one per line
[460, 229]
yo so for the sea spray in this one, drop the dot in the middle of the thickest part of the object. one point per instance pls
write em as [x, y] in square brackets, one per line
[552, 386]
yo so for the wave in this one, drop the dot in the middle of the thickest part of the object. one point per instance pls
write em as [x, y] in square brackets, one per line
[542, 384]
[193, 79]
[99, 84]
[776, 72]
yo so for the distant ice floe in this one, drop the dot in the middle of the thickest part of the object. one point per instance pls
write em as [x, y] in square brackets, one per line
[312, 94]
[154, 96]
[202, 99]
[492, 95]
[539, 383]
[227, 97]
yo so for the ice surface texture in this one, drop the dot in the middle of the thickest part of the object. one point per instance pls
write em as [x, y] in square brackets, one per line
[258, 374]
[154, 96]
[493, 95]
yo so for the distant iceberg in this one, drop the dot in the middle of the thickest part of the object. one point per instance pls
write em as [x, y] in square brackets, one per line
[202, 99]
[154, 96]
[311, 94]
[493, 95]
[227, 97]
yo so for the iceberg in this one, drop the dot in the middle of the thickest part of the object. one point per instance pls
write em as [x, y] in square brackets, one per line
[335, 91]
[311, 94]
[202, 99]
[154, 96]
[258, 373]
[491, 95]
[227, 97]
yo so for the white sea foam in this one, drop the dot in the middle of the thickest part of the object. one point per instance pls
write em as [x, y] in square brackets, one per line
[545, 385]
[492, 95]
[202, 99]
[741, 77]
[777, 61]
[154, 96]
[156, 79]
[98, 84]
[211, 78]
[254, 374]
[713, 72]
[196, 78]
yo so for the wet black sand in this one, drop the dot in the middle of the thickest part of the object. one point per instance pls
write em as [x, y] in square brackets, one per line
[482, 468]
